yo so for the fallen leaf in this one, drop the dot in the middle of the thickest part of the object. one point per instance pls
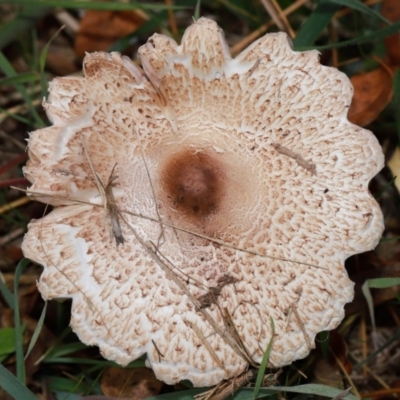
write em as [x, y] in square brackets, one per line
[326, 374]
[100, 29]
[372, 92]
[132, 383]
[390, 9]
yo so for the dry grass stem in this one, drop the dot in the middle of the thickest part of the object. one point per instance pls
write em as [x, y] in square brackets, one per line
[171, 18]
[227, 388]
[107, 196]
[345, 373]
[11, 236]
[302, 327]
[19, 109]
[14, 204]
[309, 166]
[207, 345]
[245, 42]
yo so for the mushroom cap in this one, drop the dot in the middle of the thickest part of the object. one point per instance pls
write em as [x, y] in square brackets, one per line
[240, 189]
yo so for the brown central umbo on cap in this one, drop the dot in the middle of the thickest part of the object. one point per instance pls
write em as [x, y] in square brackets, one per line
[194, 183]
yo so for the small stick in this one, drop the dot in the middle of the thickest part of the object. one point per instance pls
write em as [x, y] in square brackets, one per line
[113, 210]
[14, 204]
[107, 196]
[139, 215]
[302, 327]
[158, 351]
[309, 166]
[207, 345]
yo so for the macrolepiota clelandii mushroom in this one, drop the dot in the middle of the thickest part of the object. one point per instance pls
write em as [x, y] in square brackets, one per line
[199, 198]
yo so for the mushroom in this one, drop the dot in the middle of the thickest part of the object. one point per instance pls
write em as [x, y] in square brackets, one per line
[200, 197]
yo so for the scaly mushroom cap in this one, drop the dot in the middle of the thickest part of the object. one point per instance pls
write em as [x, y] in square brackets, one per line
[220, 164]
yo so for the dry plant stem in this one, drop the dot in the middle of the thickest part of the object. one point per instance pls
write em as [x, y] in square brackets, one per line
[377, 378]
[301, 324]
[242, 44]
[282, 16]
[171, 18]
[17, 96]
[9, 237]
[71, 23]
[207, 344]
[343, 369]
[25, 279]
[227, 388]
[16, 142]
[364, 340]
[343, 394]
[107, 196]
[233, 341]
[14, 204]
[165, 224]
[270, 7]
[296, 157]
[334, 39]
[350, 61]
[381, 393]
[113, 210]
[19, 109]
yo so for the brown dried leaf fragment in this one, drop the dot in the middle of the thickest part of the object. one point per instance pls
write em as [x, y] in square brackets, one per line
[372, 92]
[100, 29]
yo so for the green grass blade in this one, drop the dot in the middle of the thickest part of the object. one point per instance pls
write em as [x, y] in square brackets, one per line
[264, 361]
[19, 351]
[378, 283]
[7, 341]
[368, 37]
[42, 61]
[196, 15]
[396, 90]
[183, 395]
[7, 295]
[37, 331]
[6, 114]
[13, 386]
[315, 24]
[61, 350]
[9, 71]
[28, 18]
[90, 361]
[309, 389]
[358, 6]
[26, 77]
[94, 5]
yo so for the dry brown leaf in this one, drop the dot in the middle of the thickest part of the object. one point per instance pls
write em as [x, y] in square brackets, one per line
[390, 9]
[327, 374]
[132, 384]
[372, 92]
[100, 29]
